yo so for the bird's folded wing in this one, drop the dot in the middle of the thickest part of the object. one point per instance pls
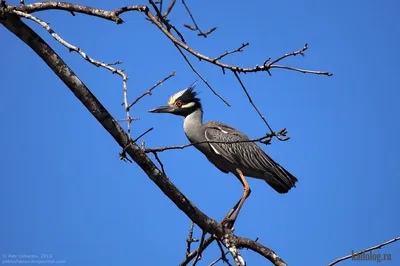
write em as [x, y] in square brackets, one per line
[245, 154]
[231, 144]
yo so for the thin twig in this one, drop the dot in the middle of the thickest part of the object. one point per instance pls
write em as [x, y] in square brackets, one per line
[255, 108]
[122, 155]
[200, 76]
[159, 161]
[207, 32]
[190, 240]
[144, 133]
[193, 254]
[300, 52]
[238, 50]
[130, 119]
[196, 27]
[115, 63]
[251, 100]
[223, 256]
[201, 248]
[159, 15]
[149, 92]
[305, 71]
[164, 21]
[161, 5]
[169, 9]
[365, 250]
[128, 115]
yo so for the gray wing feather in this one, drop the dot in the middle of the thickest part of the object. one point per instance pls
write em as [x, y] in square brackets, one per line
[243, 154]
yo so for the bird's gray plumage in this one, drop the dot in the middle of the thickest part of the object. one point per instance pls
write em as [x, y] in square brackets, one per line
[246, 156]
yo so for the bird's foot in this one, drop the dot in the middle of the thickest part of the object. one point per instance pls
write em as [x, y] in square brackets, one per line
[228, 222]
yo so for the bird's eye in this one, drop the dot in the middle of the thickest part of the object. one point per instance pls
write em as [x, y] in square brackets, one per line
[178, 103]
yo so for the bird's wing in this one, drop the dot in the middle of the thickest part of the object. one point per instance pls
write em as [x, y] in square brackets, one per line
[245, 154]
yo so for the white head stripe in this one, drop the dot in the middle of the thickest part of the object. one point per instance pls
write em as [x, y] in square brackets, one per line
[173, 98]
[188, 105]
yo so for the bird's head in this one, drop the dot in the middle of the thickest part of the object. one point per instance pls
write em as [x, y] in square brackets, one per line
[182, 103]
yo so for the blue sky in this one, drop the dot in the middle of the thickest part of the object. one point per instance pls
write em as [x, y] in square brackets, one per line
[64, 191]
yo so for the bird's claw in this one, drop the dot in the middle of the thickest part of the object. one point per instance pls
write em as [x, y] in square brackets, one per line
[228, 223]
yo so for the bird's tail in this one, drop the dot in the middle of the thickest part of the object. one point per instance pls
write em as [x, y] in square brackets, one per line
[280, 179]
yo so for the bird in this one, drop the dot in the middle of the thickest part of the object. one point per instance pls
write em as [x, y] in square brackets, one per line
[228, 149]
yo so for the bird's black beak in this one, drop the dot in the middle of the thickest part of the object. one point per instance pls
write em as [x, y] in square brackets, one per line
[164, 109]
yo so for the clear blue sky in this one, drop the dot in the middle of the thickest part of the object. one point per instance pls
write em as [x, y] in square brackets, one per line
[63, 190]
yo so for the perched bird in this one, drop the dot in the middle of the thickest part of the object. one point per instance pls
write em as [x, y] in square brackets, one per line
[238, 157]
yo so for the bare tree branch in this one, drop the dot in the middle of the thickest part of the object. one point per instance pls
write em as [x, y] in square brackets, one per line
[223, 256]
[260, 249]
[201, 248]
[365, 250]
[149, 92]
[114, 16]
[305, 71]
[70, 7]
[169, 9]
[300, 52]
[122, 155]
[168, 25]
[160, 3]
[208, 59]
[71, 47]
[159, 161]
[200, 76]
[193, 254]
[190, 239]
[238, 50]
[233, 248]
[265, 140]
[159, 17]
[196, 27]
[141, 135]
[258, 111]
[128, 119]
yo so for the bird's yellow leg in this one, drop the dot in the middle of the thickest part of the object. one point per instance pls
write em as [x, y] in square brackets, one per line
[236, 209]
[231, 212]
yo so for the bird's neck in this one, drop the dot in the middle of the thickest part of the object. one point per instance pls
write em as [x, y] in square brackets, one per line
[193, 123]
